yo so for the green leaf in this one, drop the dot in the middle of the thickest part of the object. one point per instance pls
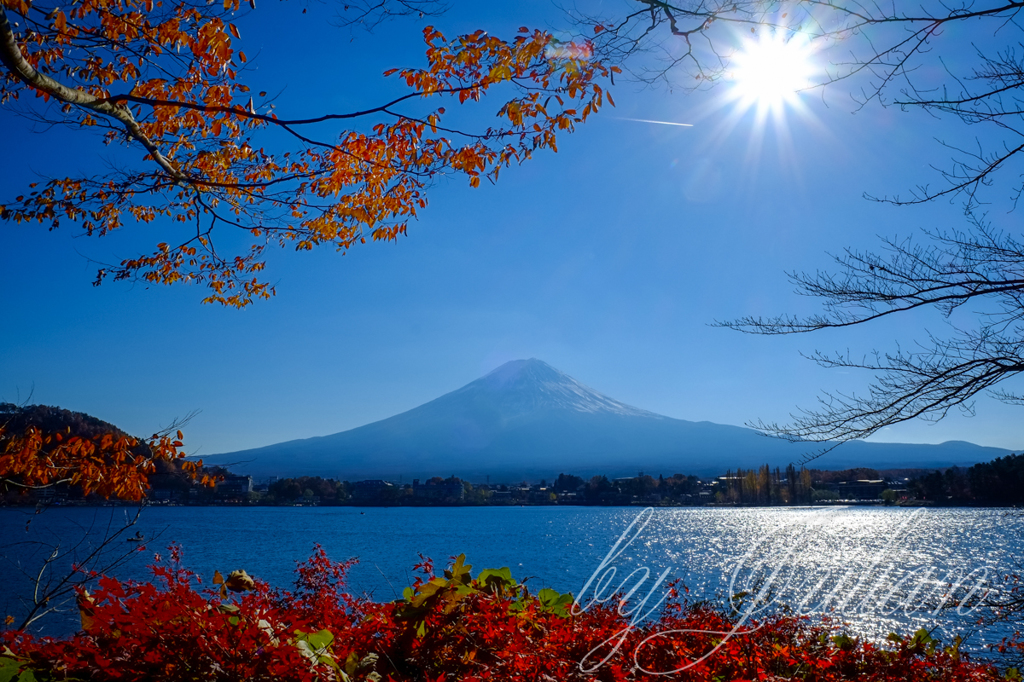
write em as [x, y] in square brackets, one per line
[923, 640]
[428, 590]
[9, 668]
[314, 647]
[320, 640]
[351, 663]
[503, 573]
[554, 602]
[459, 572]
[496, 579]
[844, 642]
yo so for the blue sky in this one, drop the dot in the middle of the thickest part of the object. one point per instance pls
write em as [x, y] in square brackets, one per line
[608, 260]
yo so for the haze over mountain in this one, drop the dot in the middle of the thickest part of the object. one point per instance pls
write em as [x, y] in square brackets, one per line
[528, 420]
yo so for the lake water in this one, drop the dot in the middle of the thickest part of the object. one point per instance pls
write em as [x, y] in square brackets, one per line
[867, 566]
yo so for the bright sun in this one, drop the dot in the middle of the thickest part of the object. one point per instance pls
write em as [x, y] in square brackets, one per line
[769, 71]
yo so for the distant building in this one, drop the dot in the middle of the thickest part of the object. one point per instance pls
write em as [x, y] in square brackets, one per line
[370, 491]
[235, 486]
[450, 489]
[859, 490]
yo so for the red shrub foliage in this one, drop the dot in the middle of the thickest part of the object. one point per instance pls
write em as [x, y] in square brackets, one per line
[450, 627]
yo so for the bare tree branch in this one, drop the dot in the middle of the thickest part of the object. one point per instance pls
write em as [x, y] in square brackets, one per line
[982, 267]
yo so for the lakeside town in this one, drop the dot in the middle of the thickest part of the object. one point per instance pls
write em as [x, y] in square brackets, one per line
[996, 483]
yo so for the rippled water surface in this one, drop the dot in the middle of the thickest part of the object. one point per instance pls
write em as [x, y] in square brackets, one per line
[877, 569]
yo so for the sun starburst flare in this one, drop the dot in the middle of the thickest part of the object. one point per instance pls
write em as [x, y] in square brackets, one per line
[770, 71]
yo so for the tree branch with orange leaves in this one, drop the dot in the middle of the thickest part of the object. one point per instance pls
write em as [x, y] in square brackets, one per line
[167, 77]
[106, 462]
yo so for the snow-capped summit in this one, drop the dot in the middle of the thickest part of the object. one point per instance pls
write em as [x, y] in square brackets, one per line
[522, 386]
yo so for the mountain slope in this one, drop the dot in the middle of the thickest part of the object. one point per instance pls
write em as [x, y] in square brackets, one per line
[528, 420]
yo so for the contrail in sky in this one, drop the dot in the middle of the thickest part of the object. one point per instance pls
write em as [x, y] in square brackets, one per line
[664, 123]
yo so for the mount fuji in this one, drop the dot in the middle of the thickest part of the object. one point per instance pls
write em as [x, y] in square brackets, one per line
[527, 420]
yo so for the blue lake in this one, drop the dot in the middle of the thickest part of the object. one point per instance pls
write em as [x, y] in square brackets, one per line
[869, 567]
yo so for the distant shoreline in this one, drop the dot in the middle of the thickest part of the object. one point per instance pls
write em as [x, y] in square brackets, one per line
[995, 484]
[266, 505]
